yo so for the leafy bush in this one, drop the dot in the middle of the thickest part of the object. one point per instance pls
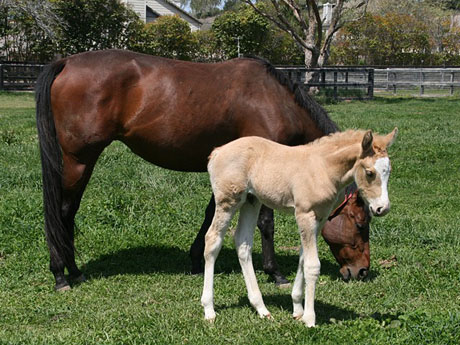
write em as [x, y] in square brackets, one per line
[168, 36]
[394, 39]
[94, 24]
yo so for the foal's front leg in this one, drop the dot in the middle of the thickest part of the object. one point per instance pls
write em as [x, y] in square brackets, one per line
[308, 227]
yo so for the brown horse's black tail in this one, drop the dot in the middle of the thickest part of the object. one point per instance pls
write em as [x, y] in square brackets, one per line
[58, 237]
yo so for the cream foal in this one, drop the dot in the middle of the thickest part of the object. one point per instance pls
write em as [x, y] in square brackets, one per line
[307, 179]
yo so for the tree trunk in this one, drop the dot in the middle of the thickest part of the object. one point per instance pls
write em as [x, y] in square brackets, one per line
[311, 61]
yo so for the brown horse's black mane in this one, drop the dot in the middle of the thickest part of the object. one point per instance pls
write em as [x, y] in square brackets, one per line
[302, 98]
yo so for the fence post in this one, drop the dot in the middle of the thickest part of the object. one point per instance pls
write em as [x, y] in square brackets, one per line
[388, 80]
[422, 87]
[452, 83]
[1, 77]
[394, 83]
[335, 85]
[370, 88]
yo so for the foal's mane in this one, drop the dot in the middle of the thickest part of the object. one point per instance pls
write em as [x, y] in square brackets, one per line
[343, 138]
[317, 112]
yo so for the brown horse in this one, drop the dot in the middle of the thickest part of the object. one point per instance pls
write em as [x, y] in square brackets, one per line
[172, 113]
[347, 234]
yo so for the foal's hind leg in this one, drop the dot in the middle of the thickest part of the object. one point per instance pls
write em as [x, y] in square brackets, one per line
[214, 239]
[266, 226]
[75, 177]
[244, 236]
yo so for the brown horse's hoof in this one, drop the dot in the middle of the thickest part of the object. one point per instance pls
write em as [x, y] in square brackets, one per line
[65, 287]
[284, 286]
[281, 281]
[80, 279]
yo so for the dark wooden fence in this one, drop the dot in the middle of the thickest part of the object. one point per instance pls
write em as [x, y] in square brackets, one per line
[19, 76]
[334, 78]
[23, 76]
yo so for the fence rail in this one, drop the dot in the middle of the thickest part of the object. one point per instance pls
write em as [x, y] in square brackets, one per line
[19, 76]
[334, 77]
[422, 78]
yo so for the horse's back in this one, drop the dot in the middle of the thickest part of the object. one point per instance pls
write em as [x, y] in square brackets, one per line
[172, 113]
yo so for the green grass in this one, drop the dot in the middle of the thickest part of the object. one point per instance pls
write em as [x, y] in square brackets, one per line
[137, 221]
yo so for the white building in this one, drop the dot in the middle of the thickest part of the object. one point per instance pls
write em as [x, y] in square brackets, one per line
[149, 10]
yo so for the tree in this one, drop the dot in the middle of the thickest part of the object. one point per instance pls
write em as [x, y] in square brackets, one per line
[445, 4]
[256, 36]
[42, 12]
[391, 39]
[302, 20]
[202, 8]
[27, 30]
[246, 26]
[168, 36]
[95, 24]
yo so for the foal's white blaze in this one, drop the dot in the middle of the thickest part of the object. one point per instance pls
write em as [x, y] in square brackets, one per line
[381, 205]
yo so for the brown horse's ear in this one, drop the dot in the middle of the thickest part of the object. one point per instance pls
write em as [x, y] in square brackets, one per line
[390, 138]
[367, 144]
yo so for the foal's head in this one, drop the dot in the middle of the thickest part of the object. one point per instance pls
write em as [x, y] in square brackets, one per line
[372, 171]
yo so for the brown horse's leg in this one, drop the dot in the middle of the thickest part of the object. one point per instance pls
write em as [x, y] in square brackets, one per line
[75, 177]
[197, 248]
[266, 226]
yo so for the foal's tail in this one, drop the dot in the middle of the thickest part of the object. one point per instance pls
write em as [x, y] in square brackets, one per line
[57, 234]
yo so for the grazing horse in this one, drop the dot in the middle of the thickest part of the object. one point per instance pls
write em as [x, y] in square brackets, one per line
[347, 233]
[172, 113]
[306, 180]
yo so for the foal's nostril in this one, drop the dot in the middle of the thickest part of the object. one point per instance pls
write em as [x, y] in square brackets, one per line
[379, 210]
[363, 273]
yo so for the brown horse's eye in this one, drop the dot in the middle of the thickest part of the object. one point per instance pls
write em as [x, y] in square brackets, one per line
[369, 173]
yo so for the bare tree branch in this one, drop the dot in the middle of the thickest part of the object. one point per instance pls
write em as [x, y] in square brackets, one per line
[41, 11]
[305, 26]
[281, 22]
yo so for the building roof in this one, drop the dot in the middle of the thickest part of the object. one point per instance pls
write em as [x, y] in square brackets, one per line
[178, 9]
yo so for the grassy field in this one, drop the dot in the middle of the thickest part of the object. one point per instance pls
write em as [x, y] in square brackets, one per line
[137, 221]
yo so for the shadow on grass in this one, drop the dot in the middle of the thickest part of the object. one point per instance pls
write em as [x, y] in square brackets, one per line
[150, 259]
[324, 311]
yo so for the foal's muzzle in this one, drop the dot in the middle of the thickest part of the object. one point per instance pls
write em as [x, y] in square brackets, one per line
[379, 211]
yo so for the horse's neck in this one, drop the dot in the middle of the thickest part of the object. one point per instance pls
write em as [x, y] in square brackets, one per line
[342, 164]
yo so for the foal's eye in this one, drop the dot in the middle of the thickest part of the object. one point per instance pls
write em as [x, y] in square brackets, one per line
[369, 173]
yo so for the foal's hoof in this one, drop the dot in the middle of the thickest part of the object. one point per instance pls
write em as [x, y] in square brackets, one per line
[267, 316]
[297, 317]
[210, 317]
[309, 321]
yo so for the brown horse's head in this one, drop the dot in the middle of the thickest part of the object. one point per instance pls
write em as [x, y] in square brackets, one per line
[348, 237]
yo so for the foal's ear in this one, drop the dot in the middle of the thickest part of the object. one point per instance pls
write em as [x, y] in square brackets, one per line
[390, 138]
[367, 144]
